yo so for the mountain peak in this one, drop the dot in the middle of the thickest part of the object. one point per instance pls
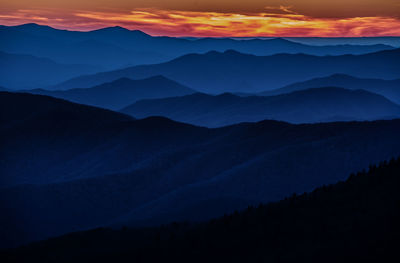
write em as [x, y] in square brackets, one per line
[33, 26]
[112, 29]
[232, 52]
[226, 95]
[119, 29]
[226, 52]
[158, 78]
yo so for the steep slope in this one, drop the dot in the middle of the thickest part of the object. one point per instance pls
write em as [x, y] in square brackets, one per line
[351, 221]
[46, 140]
[388, 88]
[231, 71]
[18, 108]
[67, 167]
[121, 92]
[306, 106]
[116, 47]
[26, 71]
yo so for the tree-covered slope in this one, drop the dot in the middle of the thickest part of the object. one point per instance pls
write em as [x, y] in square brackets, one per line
[352, 221]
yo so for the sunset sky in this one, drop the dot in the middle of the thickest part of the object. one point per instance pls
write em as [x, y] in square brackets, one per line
[216, 18]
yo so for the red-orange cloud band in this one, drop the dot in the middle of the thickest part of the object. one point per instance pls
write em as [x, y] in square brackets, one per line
[212, 24]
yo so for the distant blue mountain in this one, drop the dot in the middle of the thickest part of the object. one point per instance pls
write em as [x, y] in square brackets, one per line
[121, 92]
[231, 71]
[388, 88]
[322, 41]
[25, 71]
[66, 167]
[101, 47]
[116, 47]
[306, 106]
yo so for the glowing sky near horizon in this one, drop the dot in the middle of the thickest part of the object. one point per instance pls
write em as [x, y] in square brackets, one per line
[215, 18]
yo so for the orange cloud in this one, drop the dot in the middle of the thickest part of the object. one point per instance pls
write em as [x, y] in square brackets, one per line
[283, 22]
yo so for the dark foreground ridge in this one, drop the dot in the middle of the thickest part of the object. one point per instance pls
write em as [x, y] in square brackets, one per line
[67, 167]
[351, 221]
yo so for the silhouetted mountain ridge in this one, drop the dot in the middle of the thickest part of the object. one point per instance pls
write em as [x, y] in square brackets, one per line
[388, 88]
[39, 108]
[304, 106]
[121, 92]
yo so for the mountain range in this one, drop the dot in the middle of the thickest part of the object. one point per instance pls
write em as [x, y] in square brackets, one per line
[321, 41]
[68, 167]
[26, 71]
[119, 146]
[116, 47]
[231, 71]
[108, 48]
[305, 106]
[388, 88]
[121, 92]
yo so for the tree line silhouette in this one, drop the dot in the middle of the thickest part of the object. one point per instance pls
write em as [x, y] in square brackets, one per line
[352, 221]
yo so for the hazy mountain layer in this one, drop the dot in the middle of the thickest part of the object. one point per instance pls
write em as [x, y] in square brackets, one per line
[116, 47]
[121, 92]
[25, 71]
[388, 88]
[306, 106]
[231, 71]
